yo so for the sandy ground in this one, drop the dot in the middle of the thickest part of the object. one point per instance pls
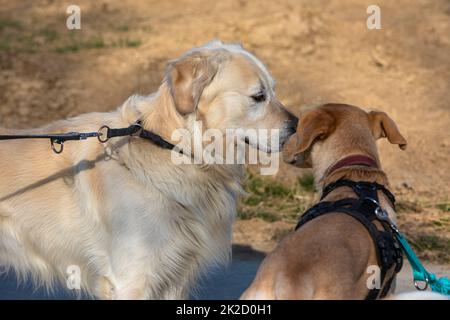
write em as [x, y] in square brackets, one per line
[319, 51]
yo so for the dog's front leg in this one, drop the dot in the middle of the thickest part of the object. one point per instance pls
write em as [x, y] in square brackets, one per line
[105, 289]
[176, 293]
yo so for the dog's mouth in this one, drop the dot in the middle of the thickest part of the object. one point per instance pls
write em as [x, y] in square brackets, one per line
[267, 149]
[298, 160]
[292, 161]
[257, 146]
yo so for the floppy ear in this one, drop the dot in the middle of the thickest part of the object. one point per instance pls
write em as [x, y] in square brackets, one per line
[313, 125]
[187, 78]
[316, 124]
[383, 126]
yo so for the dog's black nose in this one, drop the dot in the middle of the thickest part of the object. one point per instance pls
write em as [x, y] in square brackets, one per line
[292, 123]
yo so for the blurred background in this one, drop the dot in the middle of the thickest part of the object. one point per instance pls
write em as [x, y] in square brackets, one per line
[318, 51]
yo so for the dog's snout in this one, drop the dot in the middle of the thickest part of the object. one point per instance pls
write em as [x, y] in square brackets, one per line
[293, 160]
[292, 123]
[289, 127]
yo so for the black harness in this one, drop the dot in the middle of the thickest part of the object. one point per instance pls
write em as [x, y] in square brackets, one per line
[366, 209]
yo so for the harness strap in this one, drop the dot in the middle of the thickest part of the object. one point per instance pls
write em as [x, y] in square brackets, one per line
[361, 188]
[332, 207]
[366, 210]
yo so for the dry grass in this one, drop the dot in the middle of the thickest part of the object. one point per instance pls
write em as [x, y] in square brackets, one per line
[426, 225]
[18, 37]
[271, 200]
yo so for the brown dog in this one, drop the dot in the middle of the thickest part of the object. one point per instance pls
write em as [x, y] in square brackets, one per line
[328, 257]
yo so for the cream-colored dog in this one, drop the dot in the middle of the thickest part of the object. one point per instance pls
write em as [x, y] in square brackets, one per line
[132, 223]
[328, 257]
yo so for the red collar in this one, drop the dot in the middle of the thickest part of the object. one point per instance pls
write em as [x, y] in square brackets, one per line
[354, 160]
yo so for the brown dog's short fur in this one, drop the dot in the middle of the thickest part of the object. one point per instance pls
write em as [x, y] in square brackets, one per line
[328, 257]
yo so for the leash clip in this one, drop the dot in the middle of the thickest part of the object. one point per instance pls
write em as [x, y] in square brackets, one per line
[379, 212]
[417, 284]
[394, 228]
[54, 142]
[382, 214]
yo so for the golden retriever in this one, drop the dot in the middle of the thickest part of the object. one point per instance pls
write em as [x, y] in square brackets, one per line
[134, 224]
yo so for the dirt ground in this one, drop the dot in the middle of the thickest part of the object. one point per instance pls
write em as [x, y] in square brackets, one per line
[319, 51]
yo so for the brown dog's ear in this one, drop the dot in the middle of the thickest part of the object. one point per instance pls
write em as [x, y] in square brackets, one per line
[313, 125]
[383, 126]
[316, 124]
[187, 78]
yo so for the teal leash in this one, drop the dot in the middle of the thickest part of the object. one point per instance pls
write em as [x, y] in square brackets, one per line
[420, 274]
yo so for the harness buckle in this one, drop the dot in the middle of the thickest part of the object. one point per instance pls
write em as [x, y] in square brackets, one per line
[382, 214]
[138, 124]
[373, 201]
[379, 212]
[417, 284]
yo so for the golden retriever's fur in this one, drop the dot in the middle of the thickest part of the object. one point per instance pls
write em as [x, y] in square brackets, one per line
[137, 225]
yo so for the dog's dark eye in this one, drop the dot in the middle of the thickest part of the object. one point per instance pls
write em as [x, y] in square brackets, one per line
[259, 97]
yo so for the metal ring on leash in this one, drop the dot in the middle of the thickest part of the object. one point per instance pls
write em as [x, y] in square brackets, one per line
[103, 132]
[60, 143]
[377, 205]
[418, 287]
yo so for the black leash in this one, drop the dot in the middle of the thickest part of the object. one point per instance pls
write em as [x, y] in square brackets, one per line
[55, 139]
[103, 135]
